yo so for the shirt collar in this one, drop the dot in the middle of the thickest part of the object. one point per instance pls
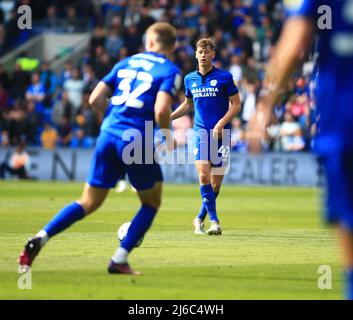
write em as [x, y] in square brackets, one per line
[209, 72]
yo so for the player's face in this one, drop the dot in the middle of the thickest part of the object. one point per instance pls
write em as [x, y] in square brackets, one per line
[205, 56]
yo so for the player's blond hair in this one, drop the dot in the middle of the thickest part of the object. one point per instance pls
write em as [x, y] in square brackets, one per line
[166, 34]
[206, 42]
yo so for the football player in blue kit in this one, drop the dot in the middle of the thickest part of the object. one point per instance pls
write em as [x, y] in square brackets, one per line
[141, 90]
[214, 96]
[334, 98]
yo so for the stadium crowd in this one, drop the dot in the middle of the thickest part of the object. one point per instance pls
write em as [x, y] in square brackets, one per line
[48, 109]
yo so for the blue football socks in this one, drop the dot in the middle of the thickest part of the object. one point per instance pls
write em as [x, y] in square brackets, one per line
[139, 225]
[209, 201]
[203, 211]
[65, 218]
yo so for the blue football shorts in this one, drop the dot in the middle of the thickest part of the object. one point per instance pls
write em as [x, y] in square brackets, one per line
[217, 151]
[108, 166]
[339, 188]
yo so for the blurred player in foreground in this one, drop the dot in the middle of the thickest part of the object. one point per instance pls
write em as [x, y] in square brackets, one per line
[334, 99]
[141, 88]
[213, 94]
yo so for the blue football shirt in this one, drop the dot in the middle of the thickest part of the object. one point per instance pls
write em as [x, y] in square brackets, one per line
[135, 82]
[334, 92]
[210, 94]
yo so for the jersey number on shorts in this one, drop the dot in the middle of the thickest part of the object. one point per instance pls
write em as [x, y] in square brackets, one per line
[130, 96]
[224, 151]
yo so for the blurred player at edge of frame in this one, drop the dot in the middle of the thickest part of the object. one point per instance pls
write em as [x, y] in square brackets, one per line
[334, 95]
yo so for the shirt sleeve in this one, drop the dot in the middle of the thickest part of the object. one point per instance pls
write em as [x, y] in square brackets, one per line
[188, 93]
[303, 8]
[171, 84]
[110, 78]
[231, 88]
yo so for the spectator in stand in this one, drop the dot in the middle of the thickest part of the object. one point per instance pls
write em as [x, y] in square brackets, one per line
[181, 126]
[239, 13]
[2, 40]
[4, 78]
[251, 73]
[249, 102]
[237, 139]
[63, 108]
[49, 137]
[72, 22]
[145, 20]
[245, 42]
[95, 60]
[15, 122]
[291, 134]
[64, 132]
[132, 39]
[223, 58]
[98, 37]
[115, 8]
[18, 165]
[87, 121]
[36, 93]
[27, 63]
[4, 138]
[264, 36]
[12, 30]
[51, 21]
[132, 15]
[74, 88]
[20, 80]
[236, 69]
[113, 43]
[50, 81]
[191, 14]
[274, 136]
[298, 106]
[103, 66]
[3, 98]
[66, 74]
[157, 10]
[32, 123]
[89, 77]
[212, 16]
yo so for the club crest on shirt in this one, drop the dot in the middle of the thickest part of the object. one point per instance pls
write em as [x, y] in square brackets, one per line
[213, 83]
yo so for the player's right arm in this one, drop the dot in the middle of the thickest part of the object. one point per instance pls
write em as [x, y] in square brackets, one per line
[187, 105]
[99, 98]
[162, 116]
[167, 91]
[295, 40]
[100, 95]
[183, 109]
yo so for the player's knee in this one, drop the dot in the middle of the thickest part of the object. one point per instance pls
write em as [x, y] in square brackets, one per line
[216, 187]
[153, 201]
[89, 206]
[204, 178]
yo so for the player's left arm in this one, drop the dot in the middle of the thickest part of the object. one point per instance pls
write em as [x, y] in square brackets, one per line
[99, 96]
[233, 110]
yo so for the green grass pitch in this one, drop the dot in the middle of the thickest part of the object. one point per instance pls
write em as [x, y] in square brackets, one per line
[272, 245]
